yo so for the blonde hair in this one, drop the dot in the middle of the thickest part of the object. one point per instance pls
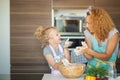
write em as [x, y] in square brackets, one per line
[43, 34]
[101, 21]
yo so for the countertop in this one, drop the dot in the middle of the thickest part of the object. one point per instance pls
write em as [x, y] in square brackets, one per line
[52, 77]
[39, 76]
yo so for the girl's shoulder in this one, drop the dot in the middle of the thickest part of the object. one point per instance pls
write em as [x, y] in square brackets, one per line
[46, 50]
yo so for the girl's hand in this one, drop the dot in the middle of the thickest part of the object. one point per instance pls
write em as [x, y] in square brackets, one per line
[56, 65]
[68, 43]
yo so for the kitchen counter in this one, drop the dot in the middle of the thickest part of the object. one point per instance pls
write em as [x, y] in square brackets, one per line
[39, 76]
[51, 77]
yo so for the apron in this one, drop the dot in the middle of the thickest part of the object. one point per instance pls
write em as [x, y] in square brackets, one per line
[57, 59]
[101, 47]
[97, 62]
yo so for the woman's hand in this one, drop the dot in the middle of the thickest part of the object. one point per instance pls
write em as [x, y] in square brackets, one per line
[84, 51]
[81, 49]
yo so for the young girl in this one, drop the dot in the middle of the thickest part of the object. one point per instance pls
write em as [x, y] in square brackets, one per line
[53, 48]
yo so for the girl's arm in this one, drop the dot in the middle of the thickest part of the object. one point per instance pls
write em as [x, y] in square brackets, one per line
[51, 61]
[67, 53]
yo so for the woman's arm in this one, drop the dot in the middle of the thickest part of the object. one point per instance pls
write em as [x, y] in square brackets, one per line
[111, 45]
[89, 57]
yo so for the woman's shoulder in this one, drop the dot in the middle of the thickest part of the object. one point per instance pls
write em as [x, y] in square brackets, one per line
[86, 31]
[88, 34]
[112, 32]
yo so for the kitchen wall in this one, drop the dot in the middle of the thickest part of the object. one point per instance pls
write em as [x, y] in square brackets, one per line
[4, 36]
[26, 53]
[5, 27]
[27, 15]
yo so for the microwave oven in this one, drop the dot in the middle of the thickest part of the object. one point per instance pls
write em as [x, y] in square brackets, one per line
[68, 25]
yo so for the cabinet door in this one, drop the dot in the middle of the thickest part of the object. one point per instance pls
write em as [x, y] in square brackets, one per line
[72, 4]
[112, 7]
[26, 53]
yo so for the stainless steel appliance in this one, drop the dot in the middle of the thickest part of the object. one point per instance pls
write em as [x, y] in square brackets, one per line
[70, 24]
[68, 21]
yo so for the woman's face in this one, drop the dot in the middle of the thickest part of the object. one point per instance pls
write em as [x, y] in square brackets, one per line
[89, 25]
[55, 36]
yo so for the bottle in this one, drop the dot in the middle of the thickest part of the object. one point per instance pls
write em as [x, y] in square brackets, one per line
[112, 70]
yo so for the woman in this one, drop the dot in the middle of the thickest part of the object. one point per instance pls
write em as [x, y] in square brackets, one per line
[101, 37]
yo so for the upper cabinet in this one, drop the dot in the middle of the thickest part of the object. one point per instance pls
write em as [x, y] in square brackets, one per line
[112, 7]
[106, 3]
[25, 17]
[72, 4]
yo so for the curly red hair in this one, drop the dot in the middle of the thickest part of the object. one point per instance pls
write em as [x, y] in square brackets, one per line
[101, 21]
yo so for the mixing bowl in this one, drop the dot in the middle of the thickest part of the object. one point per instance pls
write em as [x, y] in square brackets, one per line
[74, 70]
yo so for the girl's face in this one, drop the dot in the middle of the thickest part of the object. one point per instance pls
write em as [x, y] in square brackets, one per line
[89, 25]
[55, 36]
